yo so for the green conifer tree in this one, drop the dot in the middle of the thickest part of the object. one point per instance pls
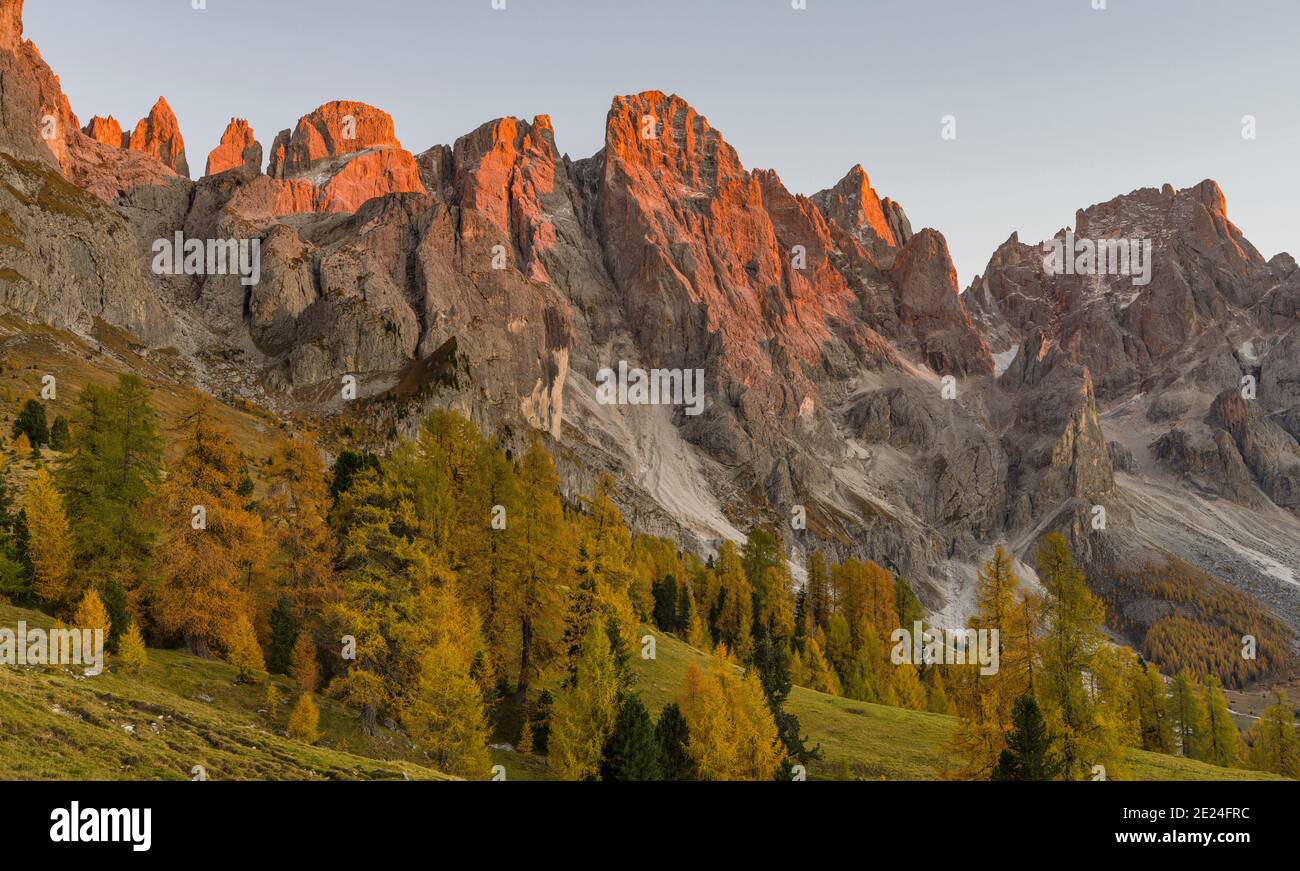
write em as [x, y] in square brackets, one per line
[632, 751]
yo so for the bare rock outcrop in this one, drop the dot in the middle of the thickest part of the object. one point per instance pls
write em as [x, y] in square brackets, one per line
[843, 371]
[238, 150]
[67, 258]
[348, 152]
[158, 134]
[105, 131]
[1269, 451]
[854, 206]
[1202, 275]
[929, 303]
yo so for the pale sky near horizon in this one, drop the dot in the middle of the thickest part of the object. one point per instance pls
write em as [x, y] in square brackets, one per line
[1058, 105]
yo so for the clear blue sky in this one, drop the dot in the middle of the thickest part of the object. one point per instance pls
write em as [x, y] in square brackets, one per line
[1058, 105]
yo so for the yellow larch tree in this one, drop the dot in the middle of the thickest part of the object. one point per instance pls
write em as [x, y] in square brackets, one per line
[208, 542]
[49, 542]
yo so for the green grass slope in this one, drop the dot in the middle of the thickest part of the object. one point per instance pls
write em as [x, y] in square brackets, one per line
[866, 741]
[184, 711]
[181, 711]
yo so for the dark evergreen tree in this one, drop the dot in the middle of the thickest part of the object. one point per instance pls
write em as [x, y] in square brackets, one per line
[802, 618]
[685, 606]
[348, 465]
[31, 420]
[60, 439]
[284, 634]
[580, 612]
[542, 722]
[22, 539]
[716, 611]
[112, 469]
[772, 659]
[622, 656]
[909, 607]
[119, 615]
[672, 733]
[665, 599]
[1027, 745]
[632, 750]
[15, 571]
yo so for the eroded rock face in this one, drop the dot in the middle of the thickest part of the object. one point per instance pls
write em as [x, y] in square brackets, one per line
[1212, 464]
[105, 131]
[158, 134]
[238, 150]
[334, 130]
[503, 170]
[1204, 275]
[929, 303]
[855, 207]
[1270, 452]
[497, 275]
[348, 152]
[958, 464]
[36, 119]
[66, 258]
[37, 123]
[737, 272]
[11, 24]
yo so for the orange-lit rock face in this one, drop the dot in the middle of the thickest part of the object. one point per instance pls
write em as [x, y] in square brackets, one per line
[692, 245]
[40, 124]
[159, 135]
[733, 272]
[854, 205]
[348, 152]
[105, 131]
[11, 24]
[238, 150]
[267, 197]
[504, 169]
[336, 129]
[366, 176]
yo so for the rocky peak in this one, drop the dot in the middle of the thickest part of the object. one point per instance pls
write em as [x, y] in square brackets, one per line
[338, 157]
[503, 170]
[105, 131]
[11, 24]
[930, 303]
[704, 276]
[853, 205]
[238, 150]
[31, 97]
[663, 136]
[334, 129]
[159, 135]
[279, 153]
[1197, 277]
[811, 317]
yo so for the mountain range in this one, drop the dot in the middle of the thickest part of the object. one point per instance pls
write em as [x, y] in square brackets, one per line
[856, 397]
